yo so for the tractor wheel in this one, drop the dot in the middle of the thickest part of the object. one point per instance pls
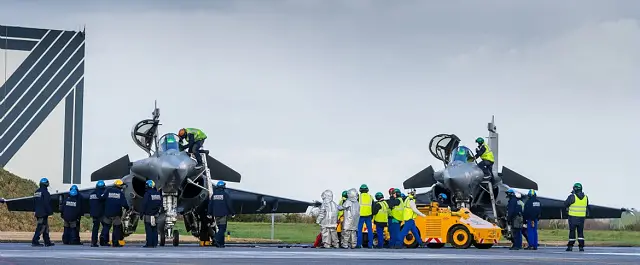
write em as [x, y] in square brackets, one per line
[410, 241]
[435, 245]
[459, 237]
[176, 238]
[482, 246]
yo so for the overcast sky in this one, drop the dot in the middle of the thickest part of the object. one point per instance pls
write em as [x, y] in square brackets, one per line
[301, 96]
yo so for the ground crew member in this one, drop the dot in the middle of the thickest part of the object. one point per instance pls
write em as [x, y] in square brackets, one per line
[484, 152]
[578, 206]
[42, 212]
[342, 199]
[328, 221]
[531, 214]
[114, 201]
[409, 214]
[151, 205]
[396, 204]
[220, 206]
[71, 209]
[80, 198]
[195, 140]
[96, 210]
[514, 219]
[366, 202]
[380, 212]
[443, 200]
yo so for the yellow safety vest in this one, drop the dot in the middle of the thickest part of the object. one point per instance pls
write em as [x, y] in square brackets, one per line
[397, 211]
[341, 212]
[383, 214]
[408, 213]
[197, 134]
[487, 155]
[365, 204]
[579, 207]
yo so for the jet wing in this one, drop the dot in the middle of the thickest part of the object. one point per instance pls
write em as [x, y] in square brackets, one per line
[27, 204]
[245, 202]
[554, 209]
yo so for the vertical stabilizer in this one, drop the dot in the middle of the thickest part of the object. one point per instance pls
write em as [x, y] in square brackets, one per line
[493, 143]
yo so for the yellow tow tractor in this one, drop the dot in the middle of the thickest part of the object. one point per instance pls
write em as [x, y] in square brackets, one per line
[440, 226]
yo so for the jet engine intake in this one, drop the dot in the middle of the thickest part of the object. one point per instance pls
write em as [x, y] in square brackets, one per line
[139, 185]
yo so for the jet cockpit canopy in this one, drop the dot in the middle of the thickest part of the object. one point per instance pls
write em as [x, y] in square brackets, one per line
[461, 154]
[168, 142]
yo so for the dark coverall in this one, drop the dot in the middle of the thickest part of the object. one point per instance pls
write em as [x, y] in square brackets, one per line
[42, 212]
[379, 226]
[220, 207]
[96, 210]
[114, 201]
[151, 205]
[576, 223]
[531, 214]
[71, 212]
[514, 210]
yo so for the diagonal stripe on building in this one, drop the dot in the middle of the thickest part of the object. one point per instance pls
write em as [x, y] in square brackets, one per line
[53, 71]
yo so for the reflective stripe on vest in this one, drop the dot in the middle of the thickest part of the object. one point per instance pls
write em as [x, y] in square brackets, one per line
[197, 134]
[487, 155]
[397, 211]
[341, 212]
[408, 213]
[365, 204]
[579, 207]
[383, 214]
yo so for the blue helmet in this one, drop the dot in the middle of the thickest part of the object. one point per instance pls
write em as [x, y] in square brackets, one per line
[44, 181]
[74, 187]
[100, 184]
[151, 184]
[532, 193]
[221, 184]
[511, 191]
[443, 196]
[73, 192]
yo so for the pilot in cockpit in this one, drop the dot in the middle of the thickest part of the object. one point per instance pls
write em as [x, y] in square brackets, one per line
[462, 154]
[168, 142]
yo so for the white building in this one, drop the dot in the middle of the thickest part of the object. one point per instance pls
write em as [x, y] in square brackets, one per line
[41, 104]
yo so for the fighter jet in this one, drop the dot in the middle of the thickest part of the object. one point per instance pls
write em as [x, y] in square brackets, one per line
[465, 184]
[185, 188]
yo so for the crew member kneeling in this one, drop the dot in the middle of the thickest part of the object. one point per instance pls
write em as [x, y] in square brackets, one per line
[151, 204]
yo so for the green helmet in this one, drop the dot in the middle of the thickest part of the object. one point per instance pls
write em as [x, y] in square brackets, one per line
[480, 140]
[379, 195]
[364, 188]
[344, 194]
[577, 186]
[397, 192]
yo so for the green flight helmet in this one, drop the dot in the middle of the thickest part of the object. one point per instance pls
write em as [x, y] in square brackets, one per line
[480, 140]
[344, 194]
[577, 186]
[364, 188]
[379, 196]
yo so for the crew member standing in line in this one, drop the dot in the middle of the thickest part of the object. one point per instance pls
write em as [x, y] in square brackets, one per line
[71, 209]
[114, 202]
[578, 205]
[532, 211]
[42, 211]
[77, 230]
[220, 206]
[380, 217]
[96, 210]
[514, 218]
[396, 204]
[366, 203]
[152, 203]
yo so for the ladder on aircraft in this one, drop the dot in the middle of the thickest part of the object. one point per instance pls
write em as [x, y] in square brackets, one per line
[493, 198]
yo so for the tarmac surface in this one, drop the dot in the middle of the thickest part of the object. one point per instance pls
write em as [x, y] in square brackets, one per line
[22, 254]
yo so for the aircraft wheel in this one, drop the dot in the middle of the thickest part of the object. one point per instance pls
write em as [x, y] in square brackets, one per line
[459, 237]
[176, 238]
[482, 246]
[163, 238]
[410, 241]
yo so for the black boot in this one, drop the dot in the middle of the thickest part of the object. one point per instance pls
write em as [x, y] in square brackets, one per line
[569, 248]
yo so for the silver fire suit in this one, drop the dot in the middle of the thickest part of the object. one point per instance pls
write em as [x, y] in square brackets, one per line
[328, 220]
[351, 217]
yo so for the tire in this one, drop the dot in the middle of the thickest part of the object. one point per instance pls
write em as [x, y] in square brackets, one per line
[482, 246]
[410, 241]
[460, 237]
[176, 238]
[435, 245]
